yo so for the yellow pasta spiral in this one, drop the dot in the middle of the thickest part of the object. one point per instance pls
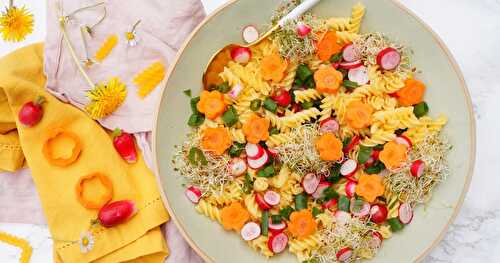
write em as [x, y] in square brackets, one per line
[208, 210]
[357, 14]
[148, 79]
[106, 48]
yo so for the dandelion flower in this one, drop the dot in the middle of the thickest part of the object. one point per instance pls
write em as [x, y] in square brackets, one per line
[16, 24]
[106, 98]
[86, 242]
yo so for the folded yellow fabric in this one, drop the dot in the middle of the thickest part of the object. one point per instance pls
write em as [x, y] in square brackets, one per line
[139, 239]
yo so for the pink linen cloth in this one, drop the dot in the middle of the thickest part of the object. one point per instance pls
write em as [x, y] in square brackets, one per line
[164, 26]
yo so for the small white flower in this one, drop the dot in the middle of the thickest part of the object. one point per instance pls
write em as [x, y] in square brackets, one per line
[86, 242]
[131, 37]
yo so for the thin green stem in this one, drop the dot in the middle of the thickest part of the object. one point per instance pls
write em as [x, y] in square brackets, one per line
[135, 25]
[85, 8]
[100, 20]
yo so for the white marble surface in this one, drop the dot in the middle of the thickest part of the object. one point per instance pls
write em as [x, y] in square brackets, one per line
[471, 31]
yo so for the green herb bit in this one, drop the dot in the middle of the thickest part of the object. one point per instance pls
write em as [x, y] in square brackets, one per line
[264, 223]
[300, 202]
[376, 168]
[236, 149]
[364, 154]
[303, 72]
[248, 184]
[196, 156]
[298, 82]
[307, 105]
[224, 87]
[346, 142]
[344, 203]
[421, 109]
[395, 224]
[196, 119]
[312, 260]
[336, 58]
[350, 84]
[267, 172]
[230, 117]
[316, 211]
[274, 131]
[276, 219]
[357, 205]
[285, 212]
[328, 194]
[270, 105]
[194, 101]
[255, 104]
[187, 92]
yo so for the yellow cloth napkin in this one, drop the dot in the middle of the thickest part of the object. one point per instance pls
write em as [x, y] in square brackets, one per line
[139, 239]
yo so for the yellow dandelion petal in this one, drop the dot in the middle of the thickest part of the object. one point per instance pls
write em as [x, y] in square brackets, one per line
[16, 23]
[148, 79]
[106, 98]
[106, 48]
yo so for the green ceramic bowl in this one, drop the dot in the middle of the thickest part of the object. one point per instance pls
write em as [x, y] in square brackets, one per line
[446, 93]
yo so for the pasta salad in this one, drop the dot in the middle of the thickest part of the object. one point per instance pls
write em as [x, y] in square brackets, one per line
[316, 140]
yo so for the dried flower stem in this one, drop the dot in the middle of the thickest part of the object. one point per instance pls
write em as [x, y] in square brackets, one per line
[135, 25]
[11, 3]
[84, 8]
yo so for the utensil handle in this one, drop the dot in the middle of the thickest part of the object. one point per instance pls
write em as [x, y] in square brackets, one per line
[298, 11]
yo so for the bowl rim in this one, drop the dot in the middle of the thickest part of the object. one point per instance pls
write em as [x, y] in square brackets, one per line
[472, 154]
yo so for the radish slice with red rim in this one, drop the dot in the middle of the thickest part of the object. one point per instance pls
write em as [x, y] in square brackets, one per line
[250, 34]
[328, 125]
[342, 217]
[310, 183]
[417, 168]
[319, 190]
[241, 54]
[303, 30]
[389, 58]
[349, 54]
[272, 198]
[344, 254]
[250, 231]
[235, 91]
[364, 210]
[350, 188]
[193, 194]
[277, 228]
[351, 65]
[405, 213]
[261, 202]
[254, 151]
[404, 141]
[359, 75]
[348, 168]
[376, 240]
[258, 163]
[277, 243]
[237, 166]
[378, 213]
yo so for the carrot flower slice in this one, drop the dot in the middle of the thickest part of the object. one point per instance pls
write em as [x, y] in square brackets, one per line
[358, 115]
[393, 155]
[103, 199]
[273, 67]
[233, 217]
[328, 46]
[211, 104]
[328, 80]
[370, 187]
[256, 129]
[329, 147]
[412, 93]
[48, 151]
[216, 140]
[302, 224]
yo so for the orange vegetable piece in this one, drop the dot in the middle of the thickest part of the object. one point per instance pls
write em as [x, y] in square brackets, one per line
[370, 187]
[358, 115]
[211, 104]
[328, 46]
[216, 140]
[302, 224]
[328, 79]
[412, 93]
[393, 155]
[256, 129]
[47, 148]
[273, 67]
[329, 147]
[234, 217]
[103, 199]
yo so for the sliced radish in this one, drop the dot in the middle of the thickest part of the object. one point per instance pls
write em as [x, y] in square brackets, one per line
[237, 166]
[273, 152]
[342, 217]
[272, 198]
[277, 243]
[359, 75]
[364, 211]
[319, 190]
[250, 34]
[351, 65]
[328, 125]
[310, 183]
[235, 91]
[405, 213]
[389, 58]
[303, 30]
[378, 213]
[331, 203]
[348, 168]
[259, 163]
[276, 228]
[403, 140]
[193, 194]
[417, 168]
[348, 53]
[241, 54]
[254, 151]
[250, 231]
[376, 240]
[261, 202]
[344, 254]
[350, 188]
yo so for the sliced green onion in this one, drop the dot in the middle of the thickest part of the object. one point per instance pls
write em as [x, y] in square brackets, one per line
[343, 203]
[285, 212]
[248, 184]
[421, 109]
[255, 104]
[316, 211]
[364, 154]
[303, 72]
[276, 219]
[395, 224]
[270, 105]
[264, 223]
[224, 87]
[350, 84]
[274, 131]
[187, 92]
[300, 202]
[230, 117]
[194, 102]
[196, 119]
[307, 105]
[336, 58]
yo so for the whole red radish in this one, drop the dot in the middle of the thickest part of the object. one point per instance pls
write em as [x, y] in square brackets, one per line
[124, 145]
[31, 112]
[282, 97]
[116, 213]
